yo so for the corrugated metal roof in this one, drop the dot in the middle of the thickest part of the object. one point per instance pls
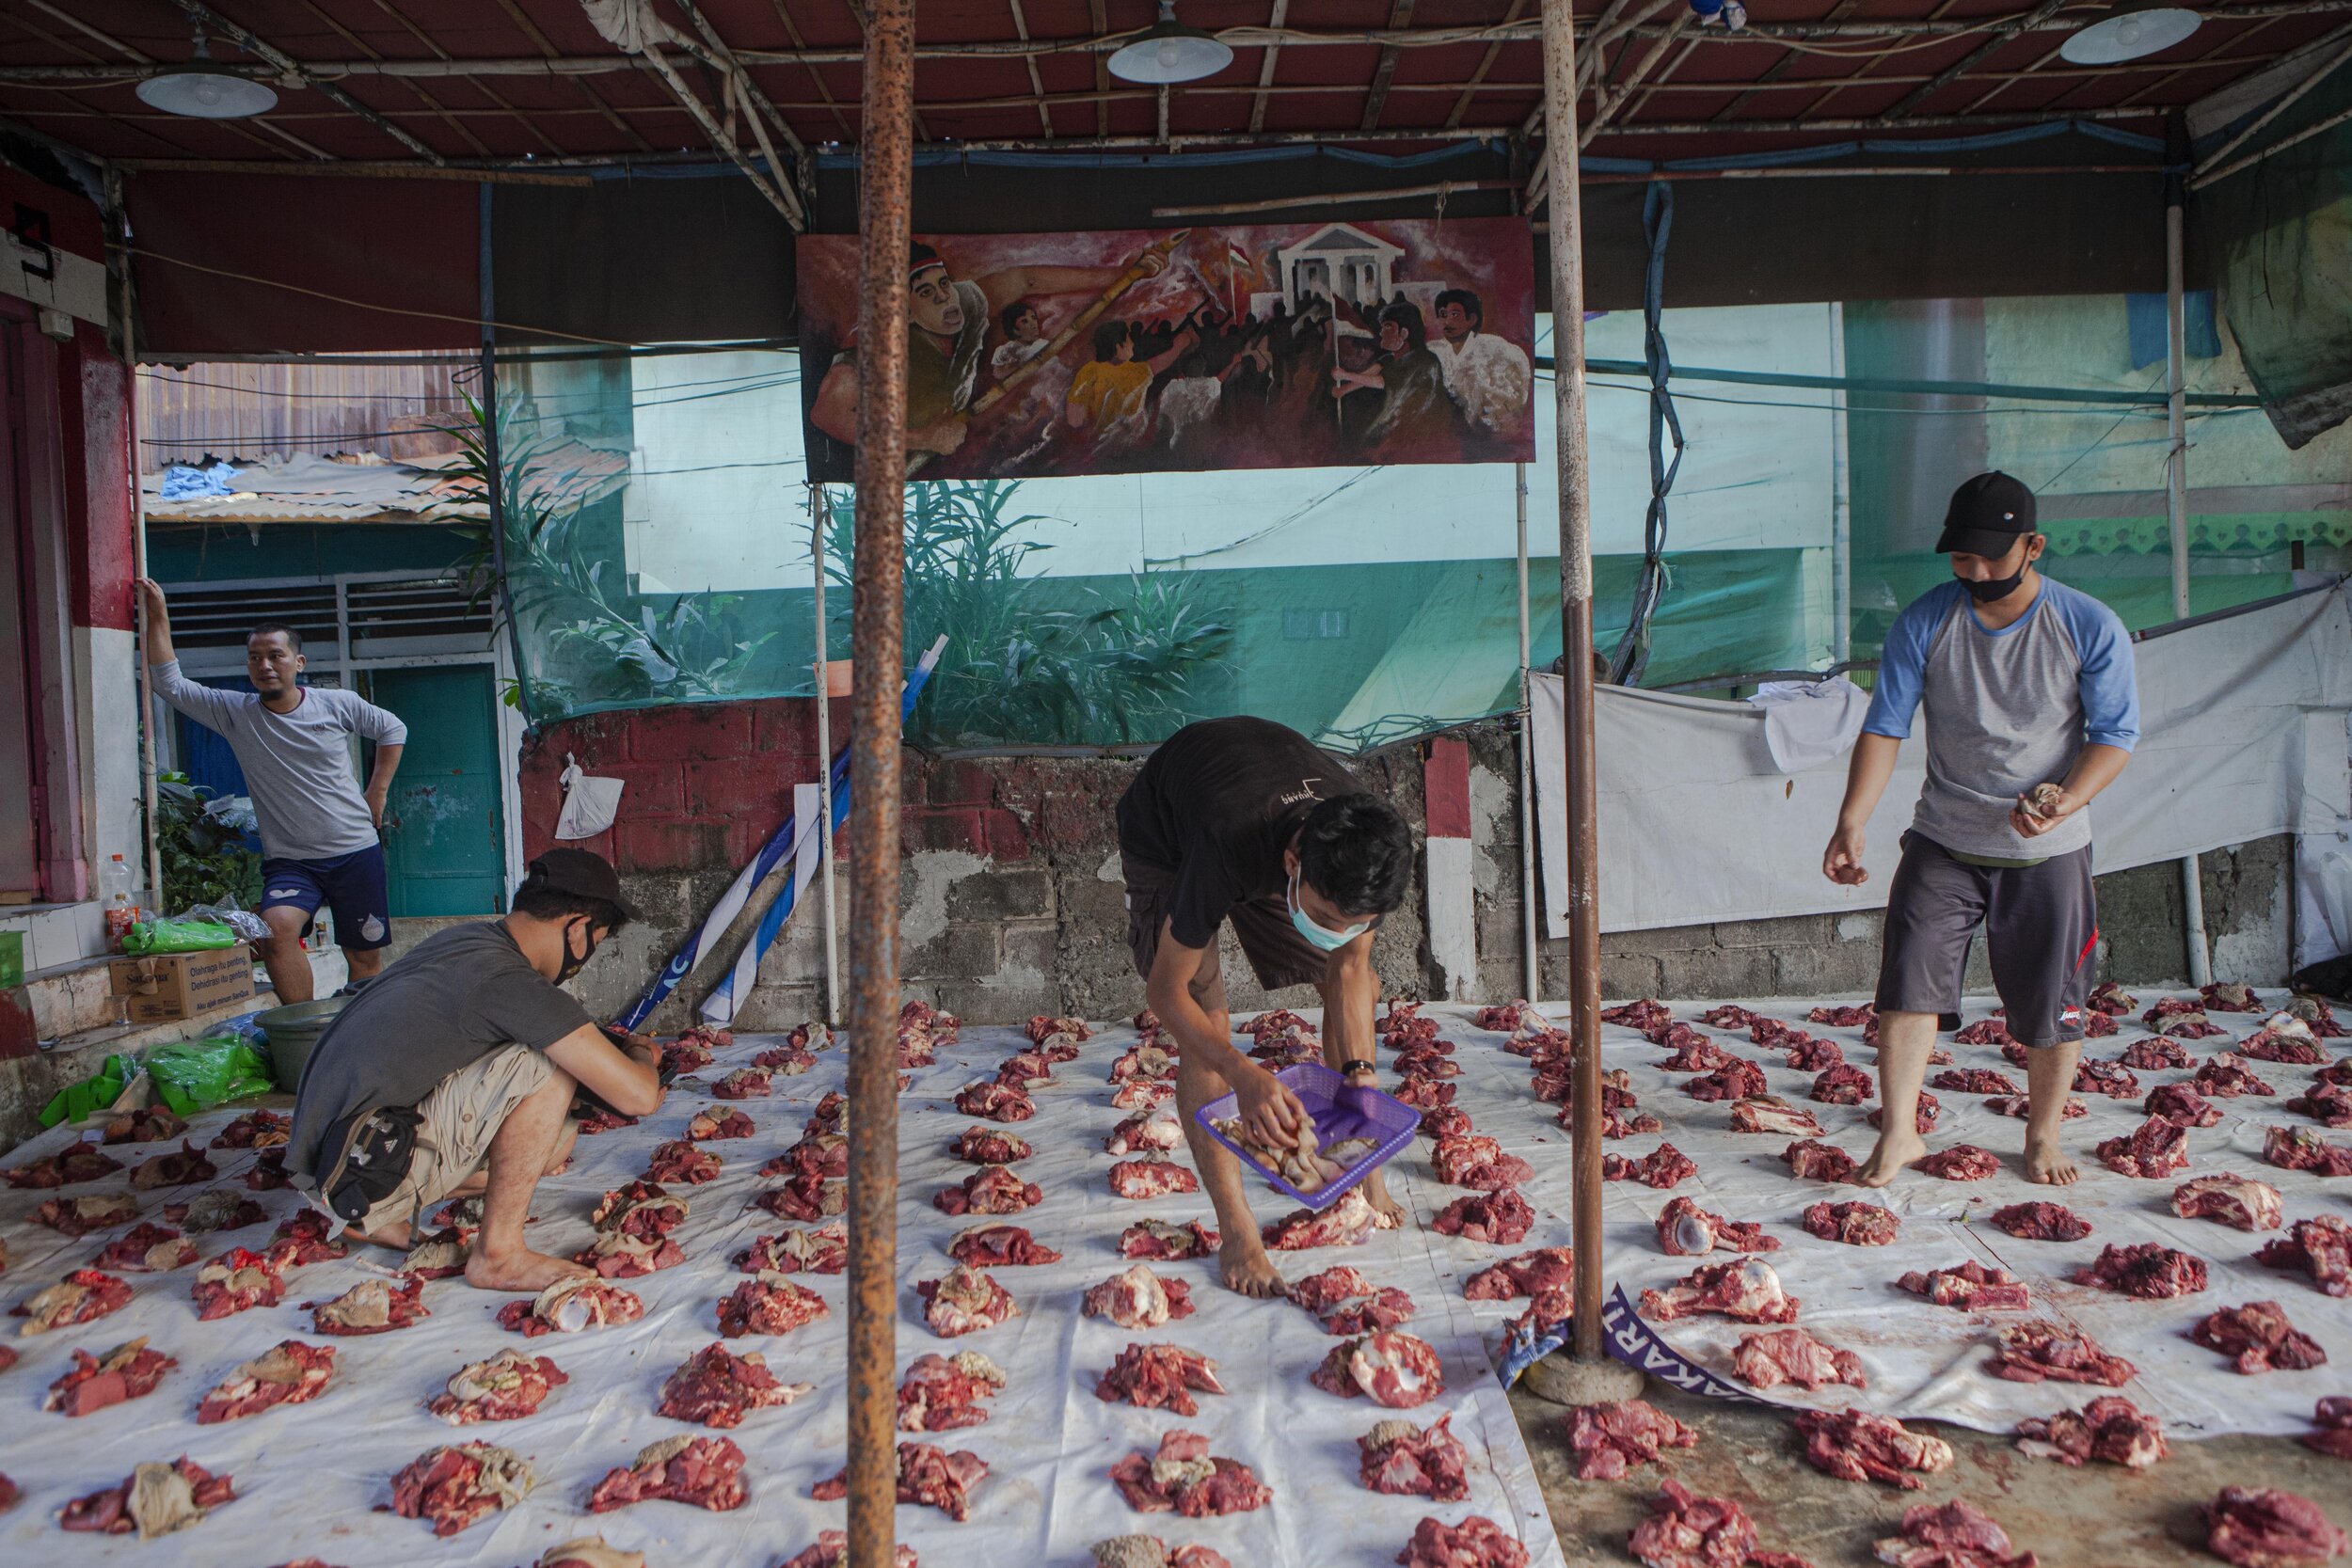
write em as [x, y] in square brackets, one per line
[261, 411]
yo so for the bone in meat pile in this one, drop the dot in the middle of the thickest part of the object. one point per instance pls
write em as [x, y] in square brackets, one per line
[964, 1301]
[824, 1249]
[460, 1484]
[570, 1306]
[1611, 1439]
[1685, 1530]
[1136, 1298]
[2265, 1528]
[2109, 1428]
[927, 1474]
[2041, 1351]
[153, 1500]
[1183, 1478]
[128, 1371]
[1793, 1355]
[1158, 1377]
[769, 1302]
[2258, 1338]
[705, 1472]
[2149, 1270]
[941, 1393]
[1687, 1231]
[716, 1388]
[1745, 1291]
[1392, 1368]
[1854, 1224]
[1959, 1534]
[2157, 1148]
[1969, 1286]
[1400, 1459]
[1663, 1168]
[289, 1372]
[2302, 1149]
[989, 1246]
[2233, 1200]
[1854, 1444]
[2321, 1247]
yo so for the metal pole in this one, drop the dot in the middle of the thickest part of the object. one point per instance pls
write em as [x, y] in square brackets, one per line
[2176, 506]
[822, 513]
[494, 475]
[1576, 666]
[878, 632]
[1841, 499]
[1531, 967]
[153, 856]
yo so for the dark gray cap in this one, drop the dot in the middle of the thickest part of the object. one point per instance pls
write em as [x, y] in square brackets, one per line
[583, 872]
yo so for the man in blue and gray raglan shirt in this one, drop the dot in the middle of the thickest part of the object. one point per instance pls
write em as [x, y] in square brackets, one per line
[320, 830]
[2025, 683]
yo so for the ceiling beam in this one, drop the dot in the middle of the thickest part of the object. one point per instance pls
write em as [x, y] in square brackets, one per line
[1266, 65]
[1384, 71]
[1485, 64]
[292, 69]
[529, 122]
[1953, 72]
[530, 29]
[1036, 82]
[414, 84]
[817, 78]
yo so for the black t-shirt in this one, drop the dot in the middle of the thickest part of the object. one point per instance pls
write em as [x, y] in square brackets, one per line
[460, 995]
[1214, 807]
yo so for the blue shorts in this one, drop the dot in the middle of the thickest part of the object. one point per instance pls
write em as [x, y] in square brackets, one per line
[350, 885]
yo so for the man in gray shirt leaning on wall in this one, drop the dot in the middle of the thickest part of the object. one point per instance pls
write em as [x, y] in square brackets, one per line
[2031, 709]
[453, 1075]
[320, 831]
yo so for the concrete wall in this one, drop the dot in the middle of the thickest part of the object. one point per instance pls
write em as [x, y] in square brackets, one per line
[1011, 902]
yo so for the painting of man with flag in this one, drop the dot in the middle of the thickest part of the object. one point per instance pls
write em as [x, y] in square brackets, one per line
[1262, 345]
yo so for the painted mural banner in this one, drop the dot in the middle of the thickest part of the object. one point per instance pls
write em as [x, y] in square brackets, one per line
[1136, 351]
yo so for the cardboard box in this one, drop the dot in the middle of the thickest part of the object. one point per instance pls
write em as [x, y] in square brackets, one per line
[173, 986]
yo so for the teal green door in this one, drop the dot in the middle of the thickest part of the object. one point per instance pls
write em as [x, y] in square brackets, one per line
[444, 837]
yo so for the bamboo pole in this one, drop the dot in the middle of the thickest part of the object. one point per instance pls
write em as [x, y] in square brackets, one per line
[153, 858]
[877, 610]
[1576, 668]
[2176, 514]
[820, 513]
[1529, 965]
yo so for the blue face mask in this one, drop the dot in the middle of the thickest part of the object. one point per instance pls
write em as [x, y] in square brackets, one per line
[1323, 941]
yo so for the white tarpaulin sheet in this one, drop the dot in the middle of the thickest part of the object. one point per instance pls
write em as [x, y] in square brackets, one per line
[309, 1477]
[2242, 735]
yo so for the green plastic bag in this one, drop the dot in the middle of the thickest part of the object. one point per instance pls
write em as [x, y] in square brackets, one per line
[92, 1094]
[203, 1073]
[176, 936]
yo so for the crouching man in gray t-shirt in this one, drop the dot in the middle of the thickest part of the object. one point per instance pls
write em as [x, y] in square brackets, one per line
[454, 1072]
[2031, 710]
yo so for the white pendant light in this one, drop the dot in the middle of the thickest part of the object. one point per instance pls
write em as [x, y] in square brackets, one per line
[1169, 52]
[2132, 29]
[202, 94]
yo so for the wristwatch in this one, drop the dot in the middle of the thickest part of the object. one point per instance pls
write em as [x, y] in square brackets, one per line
[1349, 1068]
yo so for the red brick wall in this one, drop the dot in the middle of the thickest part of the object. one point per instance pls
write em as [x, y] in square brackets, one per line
[708, 783]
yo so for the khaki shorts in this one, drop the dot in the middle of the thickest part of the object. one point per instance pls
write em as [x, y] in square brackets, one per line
[457, 1121]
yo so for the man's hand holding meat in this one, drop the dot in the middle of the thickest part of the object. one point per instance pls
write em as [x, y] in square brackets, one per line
[1242, 820]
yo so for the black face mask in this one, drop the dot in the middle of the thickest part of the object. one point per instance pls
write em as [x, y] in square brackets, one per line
[1991, 590]
[571, 965]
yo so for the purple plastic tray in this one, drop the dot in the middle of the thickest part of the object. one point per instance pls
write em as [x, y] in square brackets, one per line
[1363, 1114]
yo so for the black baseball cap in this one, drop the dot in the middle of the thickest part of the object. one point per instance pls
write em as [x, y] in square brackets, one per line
[1987, 517]
[583, 872]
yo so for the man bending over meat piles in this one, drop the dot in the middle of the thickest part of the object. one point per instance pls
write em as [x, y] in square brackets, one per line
[450, 1074]
[1242, 819]
[2031, 710]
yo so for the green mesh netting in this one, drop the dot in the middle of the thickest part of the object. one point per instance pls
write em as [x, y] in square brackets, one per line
[660, 530]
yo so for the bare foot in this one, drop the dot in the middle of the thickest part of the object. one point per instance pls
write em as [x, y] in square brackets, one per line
[399, 1236]
[2047, 1164]
[1245, 1268]
[521, 1270]
[1376, 1193]
[1895, 1149]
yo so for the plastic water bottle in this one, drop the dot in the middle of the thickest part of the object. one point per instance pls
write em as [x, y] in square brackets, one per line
[122, 909]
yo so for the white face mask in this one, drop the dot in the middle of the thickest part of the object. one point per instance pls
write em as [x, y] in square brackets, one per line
[1323, 940]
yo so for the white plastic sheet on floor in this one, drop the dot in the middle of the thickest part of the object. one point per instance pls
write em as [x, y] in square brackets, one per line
[2242, 735]
[309, 1477]
[1925, 1361]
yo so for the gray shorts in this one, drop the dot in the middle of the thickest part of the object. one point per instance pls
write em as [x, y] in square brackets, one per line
[2041, 927]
